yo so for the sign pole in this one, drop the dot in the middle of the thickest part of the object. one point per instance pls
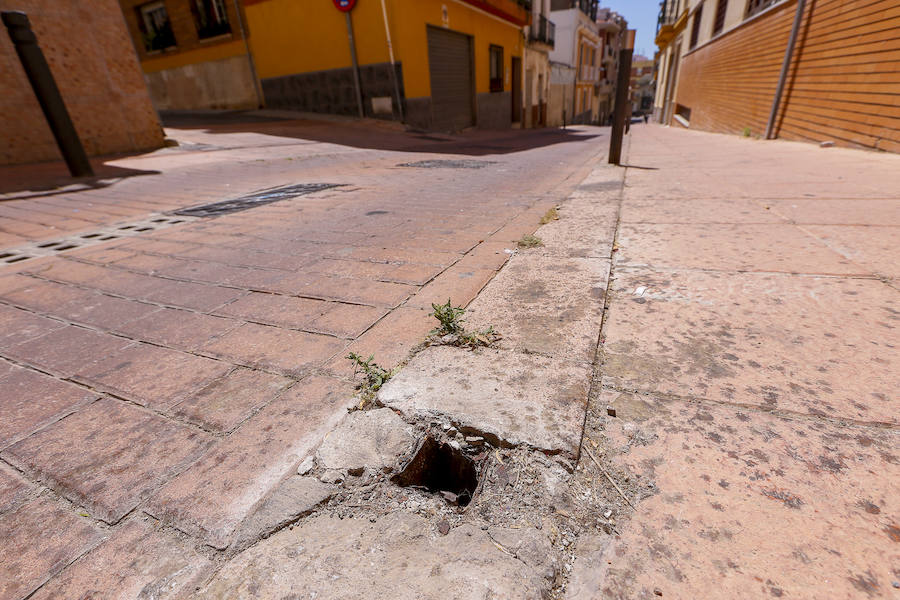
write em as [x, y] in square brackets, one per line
[359, 102]
[390, 46]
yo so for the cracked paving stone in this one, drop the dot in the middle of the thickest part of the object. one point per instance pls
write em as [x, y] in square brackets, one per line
[398, 556]
[371, 439]
[517, 398]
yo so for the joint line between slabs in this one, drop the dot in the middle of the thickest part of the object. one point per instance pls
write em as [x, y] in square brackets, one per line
[778, 412]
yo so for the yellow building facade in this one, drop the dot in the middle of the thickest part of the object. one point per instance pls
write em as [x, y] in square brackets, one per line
[454, 59]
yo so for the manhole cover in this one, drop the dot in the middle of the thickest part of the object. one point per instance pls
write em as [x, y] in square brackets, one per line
[255, 199]
[449, 164]
[440, 468]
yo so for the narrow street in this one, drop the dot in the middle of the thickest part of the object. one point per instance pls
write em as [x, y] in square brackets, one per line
[692, 393]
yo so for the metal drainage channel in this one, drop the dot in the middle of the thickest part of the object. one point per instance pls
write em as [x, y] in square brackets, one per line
[255, 199]
[19, 254]
[449, 164]
[10, 256]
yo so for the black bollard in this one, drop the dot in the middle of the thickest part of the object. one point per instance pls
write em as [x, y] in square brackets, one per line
[47, 93]
[621, 112]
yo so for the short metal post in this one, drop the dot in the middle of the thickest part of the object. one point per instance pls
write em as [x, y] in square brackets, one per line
[48, 96]
[623, 81]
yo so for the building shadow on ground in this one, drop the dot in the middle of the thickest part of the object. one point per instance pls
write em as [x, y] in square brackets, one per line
[378, 135]
[20, 182]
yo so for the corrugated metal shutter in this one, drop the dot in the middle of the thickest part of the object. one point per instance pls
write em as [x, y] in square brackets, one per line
[450, 64]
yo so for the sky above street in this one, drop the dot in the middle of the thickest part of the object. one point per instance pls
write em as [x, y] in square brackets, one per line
[641, 15]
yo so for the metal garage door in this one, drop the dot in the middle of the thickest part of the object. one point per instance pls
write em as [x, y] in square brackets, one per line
[450, 63]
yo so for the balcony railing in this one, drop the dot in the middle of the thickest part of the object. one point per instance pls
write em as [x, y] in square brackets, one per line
[668, 13]
[543, 31]
[588, 7]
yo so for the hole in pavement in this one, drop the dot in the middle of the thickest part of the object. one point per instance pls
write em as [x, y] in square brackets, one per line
[376, 212]
[440, 468]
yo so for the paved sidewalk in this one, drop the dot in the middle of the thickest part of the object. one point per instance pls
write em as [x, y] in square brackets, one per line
[156, 387]
[750, 352]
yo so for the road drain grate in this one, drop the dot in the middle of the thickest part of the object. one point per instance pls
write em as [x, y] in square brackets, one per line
[255, 199]
[449, 164]
[9, 256]
[440, 468]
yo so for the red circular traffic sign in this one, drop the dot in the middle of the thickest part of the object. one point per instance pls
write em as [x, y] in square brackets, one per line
[344, 5]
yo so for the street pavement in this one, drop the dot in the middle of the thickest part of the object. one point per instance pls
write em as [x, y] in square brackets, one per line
[158, 389]
[179, 374]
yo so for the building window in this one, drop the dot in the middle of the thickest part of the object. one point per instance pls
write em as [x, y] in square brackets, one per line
[719, 23]
[210, 18]
[757, 6]
[496, 69]
[695, 26]
[153, 21]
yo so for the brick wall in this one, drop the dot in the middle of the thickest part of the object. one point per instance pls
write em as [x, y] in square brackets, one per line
[91, 57]
[844, 83]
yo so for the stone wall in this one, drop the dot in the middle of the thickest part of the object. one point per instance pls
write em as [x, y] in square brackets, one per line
[93, 61]
[333, 91]
[418, 113]
[493, 110]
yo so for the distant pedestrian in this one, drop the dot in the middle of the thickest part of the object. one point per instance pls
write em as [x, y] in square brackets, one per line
[646, 118]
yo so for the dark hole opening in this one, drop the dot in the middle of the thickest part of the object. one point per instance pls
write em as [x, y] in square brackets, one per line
[66, 247]
[48, 244]
[17, 259]
[441, 468]
[91, 236]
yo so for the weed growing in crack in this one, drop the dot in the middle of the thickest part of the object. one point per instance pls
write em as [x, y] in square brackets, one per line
[452, 332]
[550, 215]
[374, 376]
[530, 241]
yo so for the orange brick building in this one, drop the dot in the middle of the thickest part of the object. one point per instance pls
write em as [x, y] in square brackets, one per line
[842, 84]
[90, 55]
